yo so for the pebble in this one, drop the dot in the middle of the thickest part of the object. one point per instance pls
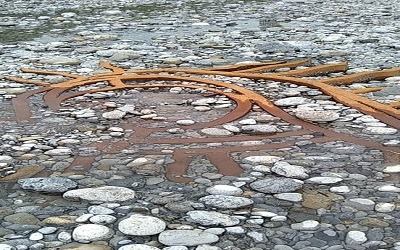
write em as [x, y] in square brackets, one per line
[317, 116]
[306, 225]
[101, 194]
[261, 160]
[48, 185]
[355, 238]
[276, 185]
[215, 132]
[224, 190]
[226, 202]
[91, 232]
[207, 218]
[186, 238]
[138, 247]
[139, 225]
[291, 171]
[325, 180]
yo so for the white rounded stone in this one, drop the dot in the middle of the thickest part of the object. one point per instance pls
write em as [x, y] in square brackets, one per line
[101, 194]
[207, 218]
[224, 190]
[186, 238]
[185, 122]
[308, 225]
[294, 197]
[379, 131]
[385, 207]
[114, 115]
[138, 247]
[92, 232]
[317, 116]
[140, 225]
[215, 132]
[325, 180]
[261, 159]
[355, 238]
[392, 169]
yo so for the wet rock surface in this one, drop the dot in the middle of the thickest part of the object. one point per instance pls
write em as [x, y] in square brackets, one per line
[77, 177]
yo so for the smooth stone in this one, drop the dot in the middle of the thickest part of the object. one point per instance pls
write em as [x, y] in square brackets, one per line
[186, 238]
[101, 194]
[362, 204]
[22, 218]
[325, 180]
[355, 238]
[374, 223]
[114, 115]
[379, 131]
[288, 170]
[138, 247]
[385, 207]
[185, 122]
[276, 185]
[261, 160]
[102, 219]
[207, 218]
[140, 225]
[59, 152]
[36, 236]
[92, 232]
[340, 189]
[60, 60]
[224, 190]
[48, 184]
[392, 169]
[216, 132]
[317, 116]
[226, 202]
[100, 210]
[389, 188]
[294, 197]
[259, 129]
[308, 225]
[292, 101]
[6, 247]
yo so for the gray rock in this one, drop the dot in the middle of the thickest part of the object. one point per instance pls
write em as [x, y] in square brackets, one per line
[101, 194]
[292, 101]
[308, 225]
[317, 116]
[138, 247]
[114, 115]
[288, 170]
[186, 238]
[261, 160]
[60, 60]
[379, 131]
[355, 238]
[227, 202]
[207, 218]
[259, 129]
[92, 232]
[276, 185]
[224, 190]
[48, 185]
[141, 225]
[216, 132]
[325, 180]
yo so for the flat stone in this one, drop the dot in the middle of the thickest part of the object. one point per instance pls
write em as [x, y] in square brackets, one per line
[389, 188]
[226, 202]
[325, 180]
[140, 225]
[185, 122]
[340, 189]
[374, 223]
[261, 160]
[60, 60]
[207, 218]
[308, 225]
[22, 218]
[6, 159]
[355, 238]
[78, 246]
[379, 131]
[392, 169]
[59, 151]
[319, 199]
[92, 232]
[317, 116]
[186, 238]
[6, 247]
[224, 190]
[362, 204]
[288, 170]
[216, 132]
[101, 194]
[114, 115]
[385, 207]
[48, 185]
[276, 185]
[259, 129]
[293, 197]
[292, 101]
[138, 247]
